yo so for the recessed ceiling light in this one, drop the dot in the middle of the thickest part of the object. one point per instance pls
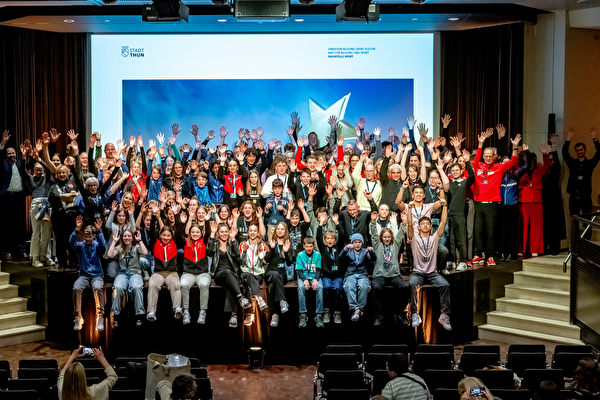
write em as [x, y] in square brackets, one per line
[69, 21]
[222, 20]
[453, 19]
[299, 20]
[414, 19]
[107, 20]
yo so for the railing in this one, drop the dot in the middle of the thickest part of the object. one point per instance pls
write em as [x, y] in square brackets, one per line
[585, 231]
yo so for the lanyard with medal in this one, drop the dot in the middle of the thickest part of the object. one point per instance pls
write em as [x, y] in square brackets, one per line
[334, 266]
[387, 256]
[367, 185]
[281, 264]
[425, 248]
[485, 174]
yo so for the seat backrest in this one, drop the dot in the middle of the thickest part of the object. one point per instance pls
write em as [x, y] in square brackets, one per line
[380, 379]
[46, 363]
[482, 348]
[568, 362]
[89, 362]
[32, 373]
[390, 348]
[126, 394]
[375, 361]
[572, 348]
[435, 348]
[95, 373]
[195, 362]
[40, 385]
[204, 390]
[533, 377]
[93, 380]
[199, 372]
[123, 360]
[348, 394]
[5, 365]
[425, 361]
[446, 394]
[442, 378]
[19, 395]
[346, 348]
[343, 379]
[469, 362]
[519, 362]
[338, 361]
[526, 348]
[4, 376]
[496, 379]
[521, 394]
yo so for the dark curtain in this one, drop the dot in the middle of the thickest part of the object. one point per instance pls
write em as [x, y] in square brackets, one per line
[482, 80]
[42, 84]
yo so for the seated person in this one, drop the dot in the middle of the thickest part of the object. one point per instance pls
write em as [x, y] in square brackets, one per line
[403, 384]
[358, 260]
[183, 387]
[308, 267]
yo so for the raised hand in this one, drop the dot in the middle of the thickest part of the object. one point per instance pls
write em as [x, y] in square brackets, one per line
[93, 139]
[54, 135]
[593, 132]
[392, 134]
[544, 148]
[446, 120]
[377, 131]
[290, 130]
[39, 146]
[516, 140]
[374, 216]
[115, 235]
[152, 144]
[335, 218]
[160, 137]
[570, 134]
[501, 131]
[423, 131]
[233, 233]
[72, 135]
[312, 190]
[223, 131]
[411, 121]
[98, 224]
[323, 219]
[138, 236]
[332, 121]
[340, 140]
[300, 142]
[361, 123]
[260, 145]
[183, 218]
[525, 147]
[211, 135]
[131, 141]
[45, 139]
[78, 222]
[411, 204]
[553, 138]
[194, 130]
[286, 246]
[300, 204]
[241, 134]
[260, 131]
[295, 118]
[368, 195]
[340, 192]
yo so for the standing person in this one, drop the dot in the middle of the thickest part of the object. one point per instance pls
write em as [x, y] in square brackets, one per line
[581, 169]
[72, 384]
[90, 269]
[486, 191]
[554, 228]
[356, 281]
[424, 244]
[129, 274]
[13, 193]
[195, 271]
[278, 256]
[61, 197]
[308, 267]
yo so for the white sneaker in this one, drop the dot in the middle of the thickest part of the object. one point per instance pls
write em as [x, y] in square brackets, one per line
[78, 323]
[151, 316]
[99, 322]
[284, 306]
[416, 320]
[337, 317]
[178, 313]
[233, 321]
[244, 302]
[462, 266]
[47, 261]
[450, 265]
[356, 315]
[202, 317]
[35, 262]
[114, 324]
[445, 321]
[534, 254]
[445, 271]
[187, 318]
[274, 321]
[261, 303]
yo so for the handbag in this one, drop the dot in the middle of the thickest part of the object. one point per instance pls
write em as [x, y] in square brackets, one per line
[158, 370]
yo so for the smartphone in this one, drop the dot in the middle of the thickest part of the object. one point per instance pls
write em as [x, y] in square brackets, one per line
[87, 351]
[477, 391]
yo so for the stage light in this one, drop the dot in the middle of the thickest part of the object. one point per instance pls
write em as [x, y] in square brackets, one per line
[417, 1]
[256, 357]
[220, 2]
[357, 11]
[165, 11]
[306, 2]
[109, 2]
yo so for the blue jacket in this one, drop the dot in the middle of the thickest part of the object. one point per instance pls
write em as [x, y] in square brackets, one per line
[358, 263]
[509, 189]
[89, 255]
[217, 189]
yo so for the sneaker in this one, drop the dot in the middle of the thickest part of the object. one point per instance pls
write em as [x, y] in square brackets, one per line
[47, 261]
[78, 323]
[178, 313]
[337, 317]
[274, 321]
[461, 266]
[302, 321]
[377, 320]
[187, 318]
[99, 322]
[445, 321]
[356, 315]
[469, 264]
[114, 324]
[326, 316]
[534, 254]
[519, 254]
[26, 256]
[36, 263]
[8, 257]
[249, 320]
[151, 316]
[491, 262]
[233, 321]
[138, 323]
[416, 320]
[450, 265]
[445, 271]
[319, 320]
[201, 317]
[244, 302]
[284, 306]
[477, 260]
[261, 303]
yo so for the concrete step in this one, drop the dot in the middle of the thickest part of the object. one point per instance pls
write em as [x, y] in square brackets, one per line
[12, 305]
[517, 336]
[17, 319]
[533, 308]
[23, 334]
[4, 278]
[558, 297]
[545, 281]
[9, 291]
[552, 265]
[533, 324]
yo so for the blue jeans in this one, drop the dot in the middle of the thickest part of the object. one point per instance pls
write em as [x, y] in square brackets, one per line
[135, 285]
[302, 296]
[336, 286]
[357, 283]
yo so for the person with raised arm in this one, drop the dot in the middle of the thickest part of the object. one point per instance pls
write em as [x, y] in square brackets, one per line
[367, 188]
[424, 244]
[72, 384]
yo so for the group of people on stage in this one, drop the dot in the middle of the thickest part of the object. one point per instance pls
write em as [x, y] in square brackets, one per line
[339, 218]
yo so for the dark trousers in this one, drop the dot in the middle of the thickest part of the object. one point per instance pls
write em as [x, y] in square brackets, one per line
[485, 229]
[458, 236]
[63, 226]
[251, 283]
[12, 206]
[227, 279]
[332, 292]
[434, 279]
[400, 293]
[581, 204]
[276, 281]
[508, 221]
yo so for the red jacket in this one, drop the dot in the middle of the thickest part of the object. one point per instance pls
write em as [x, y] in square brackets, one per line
[488, 178]
[530, 187]
[165, 256]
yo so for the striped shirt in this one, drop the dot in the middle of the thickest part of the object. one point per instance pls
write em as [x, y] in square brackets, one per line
[403, 388]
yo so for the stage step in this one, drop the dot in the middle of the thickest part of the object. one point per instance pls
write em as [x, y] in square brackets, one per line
[533, 308]
[536, 306]
[17, 325]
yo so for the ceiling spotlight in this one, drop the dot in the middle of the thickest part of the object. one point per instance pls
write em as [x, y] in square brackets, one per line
[453, 19]
[220, 2]
[357, 10]
[417, 1]
[109, 2]
[306, 2]
[165, 11]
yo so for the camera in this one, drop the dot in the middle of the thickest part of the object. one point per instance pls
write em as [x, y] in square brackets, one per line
[86, 351]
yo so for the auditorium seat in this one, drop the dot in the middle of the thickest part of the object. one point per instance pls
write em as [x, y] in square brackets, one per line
[204, 391]
[374, 362]
[348, 394]
[4, 376]
[126, 394]
[19, 395]
[533, 377]
[379, 380]
[496, 379]
[46, 363]
[93, 380]
[425, 361]
[482, 348]
[527, 348]
[442, 379]
[5, 365]
[95, 373]
[469, 362]
[347, 348]
[519, 362]
[336, 361]
[568, 362]
[446, 394]
[199, 372]
[33, 373]
[436, 348]
[40, 385]
[343, 379]
[512, 394]
[391, 348]
[89, 362]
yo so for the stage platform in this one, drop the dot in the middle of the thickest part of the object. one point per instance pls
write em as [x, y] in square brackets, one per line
[49, 293]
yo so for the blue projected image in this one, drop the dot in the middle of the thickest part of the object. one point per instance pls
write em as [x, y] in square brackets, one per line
[152, 106]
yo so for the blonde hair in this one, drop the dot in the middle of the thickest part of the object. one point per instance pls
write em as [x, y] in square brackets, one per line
[466, 385]
[74, 383]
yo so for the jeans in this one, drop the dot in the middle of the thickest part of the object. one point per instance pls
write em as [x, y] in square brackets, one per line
[135, 285]
[351, 284]
[335, 285]
[302, 296]
[400, 292]
[203, 282]
[434, 279]
[83, 282]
